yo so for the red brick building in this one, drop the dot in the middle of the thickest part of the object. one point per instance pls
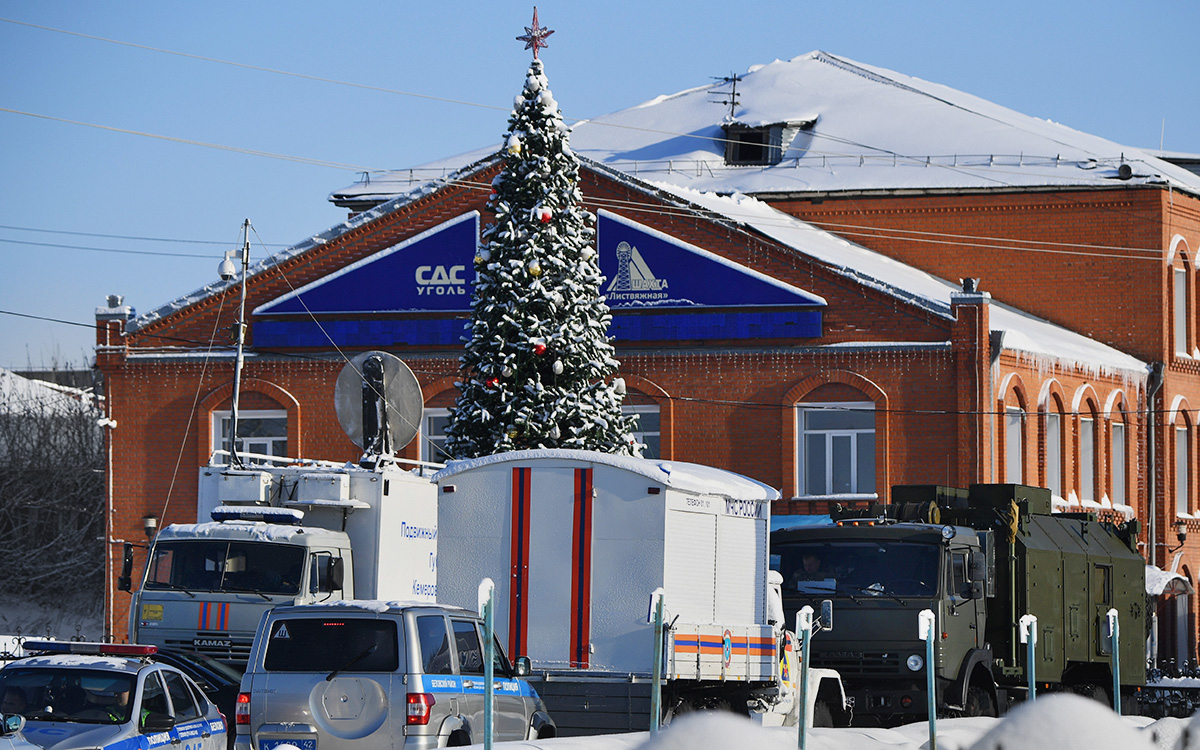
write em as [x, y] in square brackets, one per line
[925, 288]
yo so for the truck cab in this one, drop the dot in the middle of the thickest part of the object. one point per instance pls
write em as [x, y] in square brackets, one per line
[207, 585]
[880, 576]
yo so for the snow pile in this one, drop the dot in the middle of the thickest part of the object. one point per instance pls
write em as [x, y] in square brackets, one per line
[1063, 721]
[1059, 721]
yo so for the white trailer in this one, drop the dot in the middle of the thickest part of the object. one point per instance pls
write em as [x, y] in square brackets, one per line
[576, 542]
[292, 534]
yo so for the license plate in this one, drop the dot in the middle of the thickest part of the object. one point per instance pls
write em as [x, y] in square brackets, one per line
[302, 744]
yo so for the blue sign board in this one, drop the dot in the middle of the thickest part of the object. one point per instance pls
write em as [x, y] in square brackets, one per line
[432, 272]
[418, 293]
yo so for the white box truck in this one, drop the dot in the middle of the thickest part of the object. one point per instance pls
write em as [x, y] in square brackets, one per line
[292, 534]
[577, 541]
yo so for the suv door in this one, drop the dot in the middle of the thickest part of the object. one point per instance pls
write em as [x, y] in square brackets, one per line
[509, 715]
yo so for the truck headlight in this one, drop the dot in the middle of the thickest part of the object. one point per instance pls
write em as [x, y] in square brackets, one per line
[915, 662]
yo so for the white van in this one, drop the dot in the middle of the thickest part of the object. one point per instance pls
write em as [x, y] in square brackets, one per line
[372, 675]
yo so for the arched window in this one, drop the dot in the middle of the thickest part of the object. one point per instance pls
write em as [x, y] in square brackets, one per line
[1181, 301]
[1014, 445]
[837, 447]
[1118, 460]
[1053, 442]
[1088, 454]
[1183, 456]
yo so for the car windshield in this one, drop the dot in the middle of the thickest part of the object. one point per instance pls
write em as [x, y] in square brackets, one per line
[850, 569]
[89, 696]
[220, 565]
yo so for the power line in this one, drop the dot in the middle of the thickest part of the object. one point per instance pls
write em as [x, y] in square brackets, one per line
[106, 249]
[121, 236]
[190, 142]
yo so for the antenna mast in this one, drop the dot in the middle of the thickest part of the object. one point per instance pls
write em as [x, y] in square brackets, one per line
[235, 461]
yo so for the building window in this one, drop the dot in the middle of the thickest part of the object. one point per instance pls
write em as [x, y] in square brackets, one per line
[1087, 459]
[433, 435]
[259, 432]
[1116, 462]
[1181, 342]
[647, 430]
[1182, 501]
[1054, 453]
[1014, 445]
[837, 448]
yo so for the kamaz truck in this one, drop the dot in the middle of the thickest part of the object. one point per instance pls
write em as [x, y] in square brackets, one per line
[980, 560]
[294, 534]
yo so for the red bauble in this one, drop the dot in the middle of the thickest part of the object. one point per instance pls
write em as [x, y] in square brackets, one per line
[493, 382]
[539, 349]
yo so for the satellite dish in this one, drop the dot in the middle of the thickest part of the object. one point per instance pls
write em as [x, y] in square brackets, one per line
[379, 398]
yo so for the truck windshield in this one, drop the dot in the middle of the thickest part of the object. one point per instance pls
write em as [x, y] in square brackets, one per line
[220, 565]
[854, 569]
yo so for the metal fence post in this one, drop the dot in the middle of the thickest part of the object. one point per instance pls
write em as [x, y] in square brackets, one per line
[1028, 625]
[804, 626]
[928, 632]
[486, 589]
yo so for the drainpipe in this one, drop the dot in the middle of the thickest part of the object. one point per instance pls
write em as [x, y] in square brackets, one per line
[1153, 386]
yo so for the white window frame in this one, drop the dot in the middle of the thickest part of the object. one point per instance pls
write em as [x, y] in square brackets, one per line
[1054, 452]
[1014, 445]
[641, 435]
[1183, 505]
[1117, 462]
[1087, 458]
[257, 445]
[852, 434]
[429, 437]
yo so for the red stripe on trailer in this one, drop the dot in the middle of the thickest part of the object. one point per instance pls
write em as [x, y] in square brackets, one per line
[518, 599]
[581, 571]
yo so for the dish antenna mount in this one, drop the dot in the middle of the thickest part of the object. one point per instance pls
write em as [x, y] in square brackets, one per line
[378, 402]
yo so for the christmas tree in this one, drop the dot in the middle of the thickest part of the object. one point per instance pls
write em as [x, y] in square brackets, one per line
[538, 363]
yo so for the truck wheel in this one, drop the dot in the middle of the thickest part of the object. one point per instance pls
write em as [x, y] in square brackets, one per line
[979, 702]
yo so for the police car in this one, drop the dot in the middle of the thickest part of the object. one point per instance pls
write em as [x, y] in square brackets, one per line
[110, 696]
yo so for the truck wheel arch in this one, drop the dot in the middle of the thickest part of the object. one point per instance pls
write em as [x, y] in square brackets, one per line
[451, 726]
[976, 669]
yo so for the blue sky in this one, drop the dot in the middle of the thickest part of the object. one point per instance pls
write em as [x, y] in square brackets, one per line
[1126, 71]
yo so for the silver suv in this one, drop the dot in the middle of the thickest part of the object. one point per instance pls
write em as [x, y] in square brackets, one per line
[366, 675]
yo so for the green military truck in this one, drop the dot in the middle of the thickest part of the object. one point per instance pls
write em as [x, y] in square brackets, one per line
[979, 559]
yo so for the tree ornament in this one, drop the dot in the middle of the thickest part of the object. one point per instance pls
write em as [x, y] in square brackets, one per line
[507, 371]
[544, 214]
[539, 348]
[514, 145]
[557, 367]
[493, 382]
[535, 268]
[555, 432]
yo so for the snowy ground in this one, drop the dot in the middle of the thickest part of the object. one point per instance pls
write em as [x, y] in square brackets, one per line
[18, 617]
[1054, 722]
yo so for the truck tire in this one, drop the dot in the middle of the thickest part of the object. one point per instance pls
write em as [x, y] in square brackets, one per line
[979, 702]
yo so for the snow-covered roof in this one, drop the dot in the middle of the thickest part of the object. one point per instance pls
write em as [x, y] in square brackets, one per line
[255, 531]
[1159, 581]
[1025, 334]
[679, 475]
[20, 394]
[872, 129]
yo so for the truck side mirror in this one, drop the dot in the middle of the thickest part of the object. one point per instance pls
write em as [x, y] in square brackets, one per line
[976, 566]
[975, 590]
[827, 614]
[337, 573]
[125, 580]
